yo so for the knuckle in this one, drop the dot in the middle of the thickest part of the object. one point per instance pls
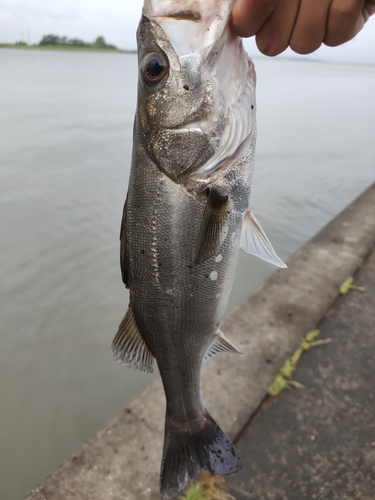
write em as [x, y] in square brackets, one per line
[346, 8]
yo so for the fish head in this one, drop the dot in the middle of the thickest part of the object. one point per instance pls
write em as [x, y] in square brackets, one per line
[196, 93]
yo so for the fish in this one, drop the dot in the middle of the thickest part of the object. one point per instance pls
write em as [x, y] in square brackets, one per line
[185, 217]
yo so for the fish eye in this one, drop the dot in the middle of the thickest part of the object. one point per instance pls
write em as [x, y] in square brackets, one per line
[154, 67]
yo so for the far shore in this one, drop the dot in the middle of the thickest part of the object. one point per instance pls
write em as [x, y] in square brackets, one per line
[65, 48]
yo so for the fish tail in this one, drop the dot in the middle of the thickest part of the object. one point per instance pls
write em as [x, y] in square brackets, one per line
[188, 449]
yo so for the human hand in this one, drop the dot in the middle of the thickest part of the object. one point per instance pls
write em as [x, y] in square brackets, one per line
[302, 25]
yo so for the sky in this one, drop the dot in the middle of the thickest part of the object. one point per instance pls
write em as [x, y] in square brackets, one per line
[117, 20]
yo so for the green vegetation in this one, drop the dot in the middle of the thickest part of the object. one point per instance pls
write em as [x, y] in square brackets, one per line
[348, 285]
[210, 487]
[55, 42]
[283, 379]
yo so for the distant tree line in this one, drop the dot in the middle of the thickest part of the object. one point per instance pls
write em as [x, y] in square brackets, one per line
[99, 43]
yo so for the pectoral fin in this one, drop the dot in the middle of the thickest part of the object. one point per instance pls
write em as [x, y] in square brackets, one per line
[213, 228]
[254, 241]
[220, 344]
[129, 347]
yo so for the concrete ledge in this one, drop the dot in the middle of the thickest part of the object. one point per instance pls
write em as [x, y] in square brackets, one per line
[122, 461]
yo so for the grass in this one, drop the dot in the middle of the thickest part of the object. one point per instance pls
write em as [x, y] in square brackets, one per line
[283, 378]
[63, 47]
[210, 487]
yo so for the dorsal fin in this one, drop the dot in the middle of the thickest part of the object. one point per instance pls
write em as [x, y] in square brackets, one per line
[212, 231]
[254, 241]
[129, 347]
[124, 272]
[220, 344]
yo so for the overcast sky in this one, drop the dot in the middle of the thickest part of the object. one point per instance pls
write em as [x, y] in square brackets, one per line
[117, 20]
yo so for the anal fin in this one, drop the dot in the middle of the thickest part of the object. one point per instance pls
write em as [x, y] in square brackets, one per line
[212, 231]
[254, 241]
[220, 344]
[129, 347]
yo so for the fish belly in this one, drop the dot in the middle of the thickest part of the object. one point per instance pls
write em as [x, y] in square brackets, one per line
[177, 303]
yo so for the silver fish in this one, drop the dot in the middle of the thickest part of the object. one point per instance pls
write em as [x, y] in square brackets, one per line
[185, 217]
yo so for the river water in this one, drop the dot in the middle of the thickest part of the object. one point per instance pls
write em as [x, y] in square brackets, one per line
[65, 145]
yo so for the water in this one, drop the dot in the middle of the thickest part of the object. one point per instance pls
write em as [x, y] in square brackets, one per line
[66, 122]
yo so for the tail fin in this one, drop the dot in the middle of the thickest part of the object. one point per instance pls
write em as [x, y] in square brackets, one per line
[187, 451]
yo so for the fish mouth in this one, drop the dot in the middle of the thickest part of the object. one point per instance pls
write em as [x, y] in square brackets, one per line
[202, 22]
[184, 15]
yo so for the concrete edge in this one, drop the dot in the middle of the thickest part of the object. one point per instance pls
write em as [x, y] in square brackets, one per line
[122, 461]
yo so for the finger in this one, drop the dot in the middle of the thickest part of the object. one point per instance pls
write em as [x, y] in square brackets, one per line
[249, 15]
[345, 20]
[273, 38]
[368, 10]
[310, 27]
